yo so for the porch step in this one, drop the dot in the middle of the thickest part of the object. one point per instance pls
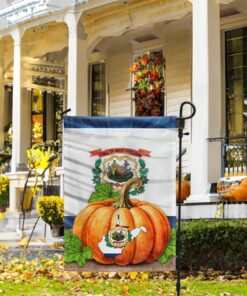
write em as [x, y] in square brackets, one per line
[12, 215]
[205, 198]
[9, 236]
[9, 227]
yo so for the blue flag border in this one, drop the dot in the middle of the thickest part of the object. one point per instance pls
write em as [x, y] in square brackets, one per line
[120, 122]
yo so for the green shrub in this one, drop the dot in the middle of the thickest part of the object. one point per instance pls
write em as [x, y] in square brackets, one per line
[4, 198]
[217, 244]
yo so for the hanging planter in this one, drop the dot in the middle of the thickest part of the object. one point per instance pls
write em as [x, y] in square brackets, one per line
[149, 84]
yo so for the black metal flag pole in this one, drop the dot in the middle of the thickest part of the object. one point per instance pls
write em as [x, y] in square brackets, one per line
[180, 126]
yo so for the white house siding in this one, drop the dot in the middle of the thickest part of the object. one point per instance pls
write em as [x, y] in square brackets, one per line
[178, 74]
[119, 81]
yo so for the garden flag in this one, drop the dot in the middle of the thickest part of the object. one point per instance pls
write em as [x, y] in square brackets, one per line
[119, 189]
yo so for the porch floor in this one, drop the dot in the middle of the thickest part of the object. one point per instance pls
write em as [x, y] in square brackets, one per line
[212, 210]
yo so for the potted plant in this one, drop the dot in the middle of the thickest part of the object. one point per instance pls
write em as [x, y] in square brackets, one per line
[51, 210]
[4, 193]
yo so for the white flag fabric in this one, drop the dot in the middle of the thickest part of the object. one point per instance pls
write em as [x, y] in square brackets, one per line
[119, 189]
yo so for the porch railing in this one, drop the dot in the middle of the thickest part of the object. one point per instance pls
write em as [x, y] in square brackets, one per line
[234, 155]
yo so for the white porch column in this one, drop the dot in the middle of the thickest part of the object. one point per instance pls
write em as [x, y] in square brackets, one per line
[206, 81]
[77, 67]
[16, 106]
[2, 123]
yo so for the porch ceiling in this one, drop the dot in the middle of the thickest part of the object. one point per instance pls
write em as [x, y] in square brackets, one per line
[239, 6]
[50, 37]
[119, 18]
[143, 37]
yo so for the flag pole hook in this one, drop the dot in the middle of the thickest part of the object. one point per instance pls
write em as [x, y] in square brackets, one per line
[180, 125]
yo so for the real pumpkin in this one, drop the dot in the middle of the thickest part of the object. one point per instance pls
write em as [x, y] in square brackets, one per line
[240, 193]
[244, 182]
[237, 192]
[185, 190]
[97, 218]
[229, 195]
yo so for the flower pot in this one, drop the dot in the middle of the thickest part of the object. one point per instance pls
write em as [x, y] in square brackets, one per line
[2, 209]
[57, 230]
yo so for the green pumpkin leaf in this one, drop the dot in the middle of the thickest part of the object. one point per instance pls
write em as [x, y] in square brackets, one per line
[74, 251]
[170, 250]
[76, 243]
[68, 257]
[67, 236]
[105, 189]
[115, 195]
[81, 260]
[87, 253]
[103, 192]
[96, 196]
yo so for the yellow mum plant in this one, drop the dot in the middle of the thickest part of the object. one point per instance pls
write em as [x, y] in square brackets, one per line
[4, 188]
[4, 184]
[39, 158]
[51, 209]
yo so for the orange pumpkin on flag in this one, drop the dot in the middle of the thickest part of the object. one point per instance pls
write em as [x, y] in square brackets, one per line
[100, 218]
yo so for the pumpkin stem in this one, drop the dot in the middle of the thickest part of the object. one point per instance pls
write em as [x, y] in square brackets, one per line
[124, 201]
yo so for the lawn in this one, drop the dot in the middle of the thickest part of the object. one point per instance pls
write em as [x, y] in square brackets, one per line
[46, 276]
[118, 287]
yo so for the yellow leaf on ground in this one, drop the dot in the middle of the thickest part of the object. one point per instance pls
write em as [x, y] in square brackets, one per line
[122, 274]
[125, 290]
[144, 276]
[2, 216]
[19, 267]
[56, 246]
[4, 247]
[27, 275]
[133, 275]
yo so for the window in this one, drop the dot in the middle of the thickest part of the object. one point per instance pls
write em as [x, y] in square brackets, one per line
[236, 81]
[149, 84]
[98, 89]
[46, 116]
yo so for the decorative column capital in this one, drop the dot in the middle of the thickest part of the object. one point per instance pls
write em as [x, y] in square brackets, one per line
[74, 26]
[71, 20]
[17, 36]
